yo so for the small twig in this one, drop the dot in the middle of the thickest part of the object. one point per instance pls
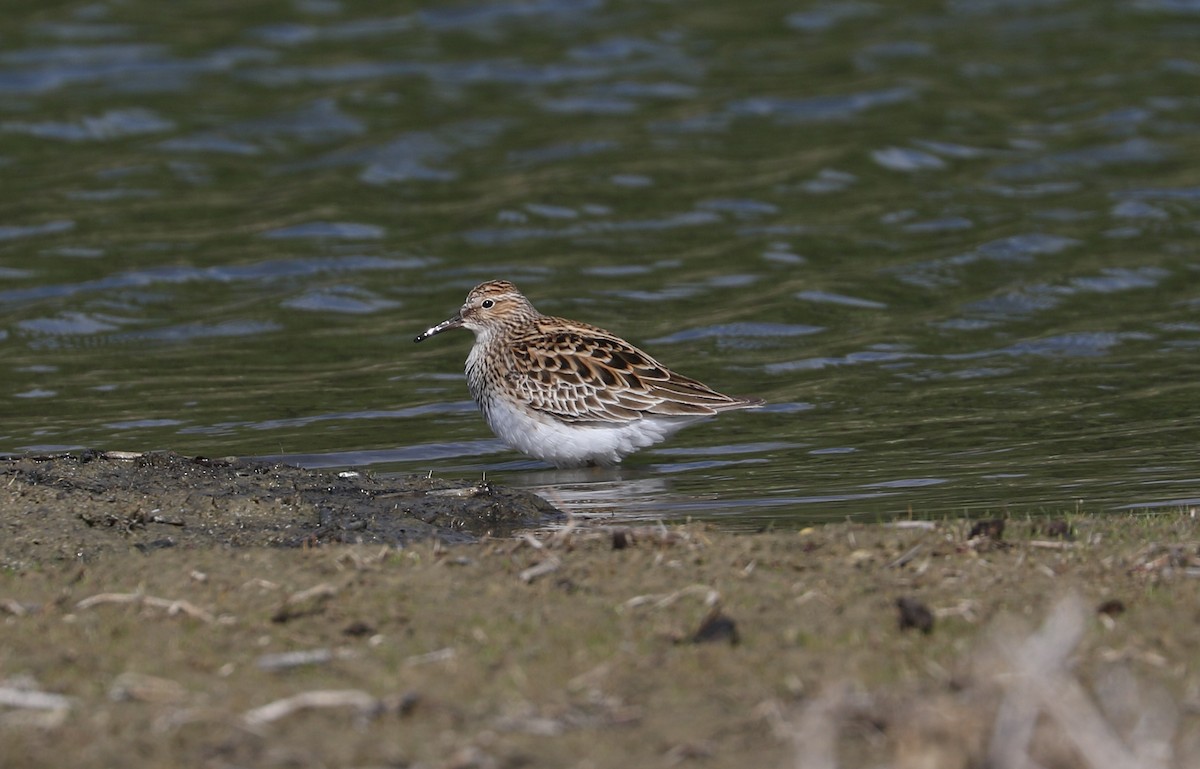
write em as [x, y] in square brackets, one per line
[927, 525]
[173, 607]
[563, 535]
[287, 660]
[363, 562]
[1037, 682]
[438, 655]
[965, 608]
[123, 454]
[547, 566]
[1048, 544]
[32, 699]
[324, 698]
[661, 600]
[479, 489]
[908, 555]
[305, 602]
[322, 591]
[532, 541]
[100, 598]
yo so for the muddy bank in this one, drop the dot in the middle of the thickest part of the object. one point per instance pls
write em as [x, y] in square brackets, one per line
[1068, 643]
[81, 505]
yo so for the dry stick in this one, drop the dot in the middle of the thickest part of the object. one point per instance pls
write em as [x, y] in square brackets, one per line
[123, 455]
[926, 525]
[1047, 544]
[908, 555]
[31, 699]
[547, 566]
[321, 591]
[1039, 684]
[660, 600]
[294, 659]
[1040, 654]
[532, 541]
[173, 607]
[324, 698]
[437, 655]
[1065, 700]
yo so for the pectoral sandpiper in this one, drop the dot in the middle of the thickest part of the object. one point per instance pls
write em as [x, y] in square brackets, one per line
[568, 393]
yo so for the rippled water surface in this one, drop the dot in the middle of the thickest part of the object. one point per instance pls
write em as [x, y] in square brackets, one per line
[956, 245]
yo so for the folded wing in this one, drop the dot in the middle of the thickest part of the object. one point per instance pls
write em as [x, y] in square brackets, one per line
[588, 375]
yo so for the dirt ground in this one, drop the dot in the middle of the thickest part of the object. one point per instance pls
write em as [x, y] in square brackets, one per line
[157, 610]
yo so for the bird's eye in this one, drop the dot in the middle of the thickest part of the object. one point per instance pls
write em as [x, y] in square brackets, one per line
[487, 304]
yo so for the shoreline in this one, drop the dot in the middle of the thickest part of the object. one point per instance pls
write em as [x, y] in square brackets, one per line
[247, 640]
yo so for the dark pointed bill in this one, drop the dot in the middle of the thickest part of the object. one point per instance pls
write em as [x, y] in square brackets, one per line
[446, 325]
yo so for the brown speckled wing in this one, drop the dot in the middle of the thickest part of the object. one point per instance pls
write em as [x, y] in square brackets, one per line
[584, 374]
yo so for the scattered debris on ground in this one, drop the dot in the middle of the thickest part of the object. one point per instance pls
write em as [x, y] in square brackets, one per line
[297, 620]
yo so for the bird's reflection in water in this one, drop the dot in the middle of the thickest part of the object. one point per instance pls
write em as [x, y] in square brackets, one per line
[600, 492]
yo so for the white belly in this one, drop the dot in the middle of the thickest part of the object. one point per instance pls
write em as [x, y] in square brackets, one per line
[562, 444]
[573, 445]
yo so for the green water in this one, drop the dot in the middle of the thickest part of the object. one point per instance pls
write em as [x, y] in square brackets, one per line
[955, 244]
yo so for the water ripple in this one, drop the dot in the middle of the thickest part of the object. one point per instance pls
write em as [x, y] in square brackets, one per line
[347, 300]
[485, 16]
[127, 67]
[819, 108]
[850, 359]
[825, 297]
[906, 483]
[906, 159]
[292, 34]
[1042, 297]
[1082, 344]
[824, 16]
[426, 409]
[319, 122]
[412, 156]
[775, 330]
[741, 207]
[1160, 193]
[173, 274]
[496, 71]
[328, 230]
[1018, 249]
[491, 237]
[423, 453]
[82, 31]
[113, 124]
[829, 180]
[1137, 151]
[72, 323]
[14, 231]
[555, 153]
[142, 424]
[1136, 209]
[946, 224]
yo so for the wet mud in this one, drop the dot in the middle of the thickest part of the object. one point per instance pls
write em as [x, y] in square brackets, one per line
[80, 505]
